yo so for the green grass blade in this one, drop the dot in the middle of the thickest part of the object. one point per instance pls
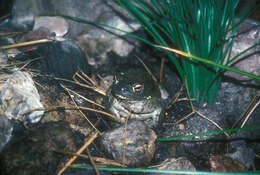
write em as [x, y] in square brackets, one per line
[150, 170]
[212, 63]
[208, 133]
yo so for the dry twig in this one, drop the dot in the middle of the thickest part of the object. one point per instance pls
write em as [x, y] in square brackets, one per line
[68, 90]
[98, 160]
[90, 84]
[161, 70]
[54, 108]
[89, 141]
[92, 162]
[147, 69]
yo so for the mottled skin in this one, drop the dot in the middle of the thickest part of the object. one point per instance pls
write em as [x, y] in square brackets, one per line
[135, 95]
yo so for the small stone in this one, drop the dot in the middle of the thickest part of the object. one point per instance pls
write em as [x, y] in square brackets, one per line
[19, 95]
[137, 145]
[180, 163]
[220, 163]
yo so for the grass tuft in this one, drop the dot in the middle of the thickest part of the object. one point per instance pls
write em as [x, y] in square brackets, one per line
[197, 27]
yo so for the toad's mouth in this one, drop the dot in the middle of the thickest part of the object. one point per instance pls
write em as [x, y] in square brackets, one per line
[118, 96]
[123, 97]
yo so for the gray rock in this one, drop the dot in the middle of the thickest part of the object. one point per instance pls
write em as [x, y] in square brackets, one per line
[196, 124]
[248, 34]
[19, 95]
[24, 12]
[6, 129]
[56, 25]
[64, 59]
[138, 144]
[97, 43]
[94, 41]
[242, 154]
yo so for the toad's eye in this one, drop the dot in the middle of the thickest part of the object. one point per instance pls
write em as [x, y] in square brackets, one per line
[138, 88]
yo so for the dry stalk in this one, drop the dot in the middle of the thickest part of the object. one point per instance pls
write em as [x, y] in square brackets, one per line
[81, 96]
[90, 84]
[69, 92]
[249, 114]
[175, 99]
[98, 160]
[92, 162]
[55, 108]
[195, 111]
[28, 43]
[249, 109]
[125, 137]
[162, 69]
[147, 69]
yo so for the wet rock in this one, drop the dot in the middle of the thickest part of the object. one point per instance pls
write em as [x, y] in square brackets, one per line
[6, 129]
[248, 34]
[18, 95]
[34, 152]
[138, 144]
[180, 163]
[64, 59]
[220, 163]
[56, 25]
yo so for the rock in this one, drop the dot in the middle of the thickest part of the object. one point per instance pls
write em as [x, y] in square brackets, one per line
[233, 101]
[97, 43]
[56, 25]
[139, 144]
[24, 12]
[8, 53]
[34, 152]
[196, 124]
[19, 95]
[64, 58]
[180, 163]
[220, 163]
[38, 34]
[22, 17]
[248, 34]
[242, 153]
[6, 129]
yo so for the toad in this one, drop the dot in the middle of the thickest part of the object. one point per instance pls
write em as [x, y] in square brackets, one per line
[134, 95]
